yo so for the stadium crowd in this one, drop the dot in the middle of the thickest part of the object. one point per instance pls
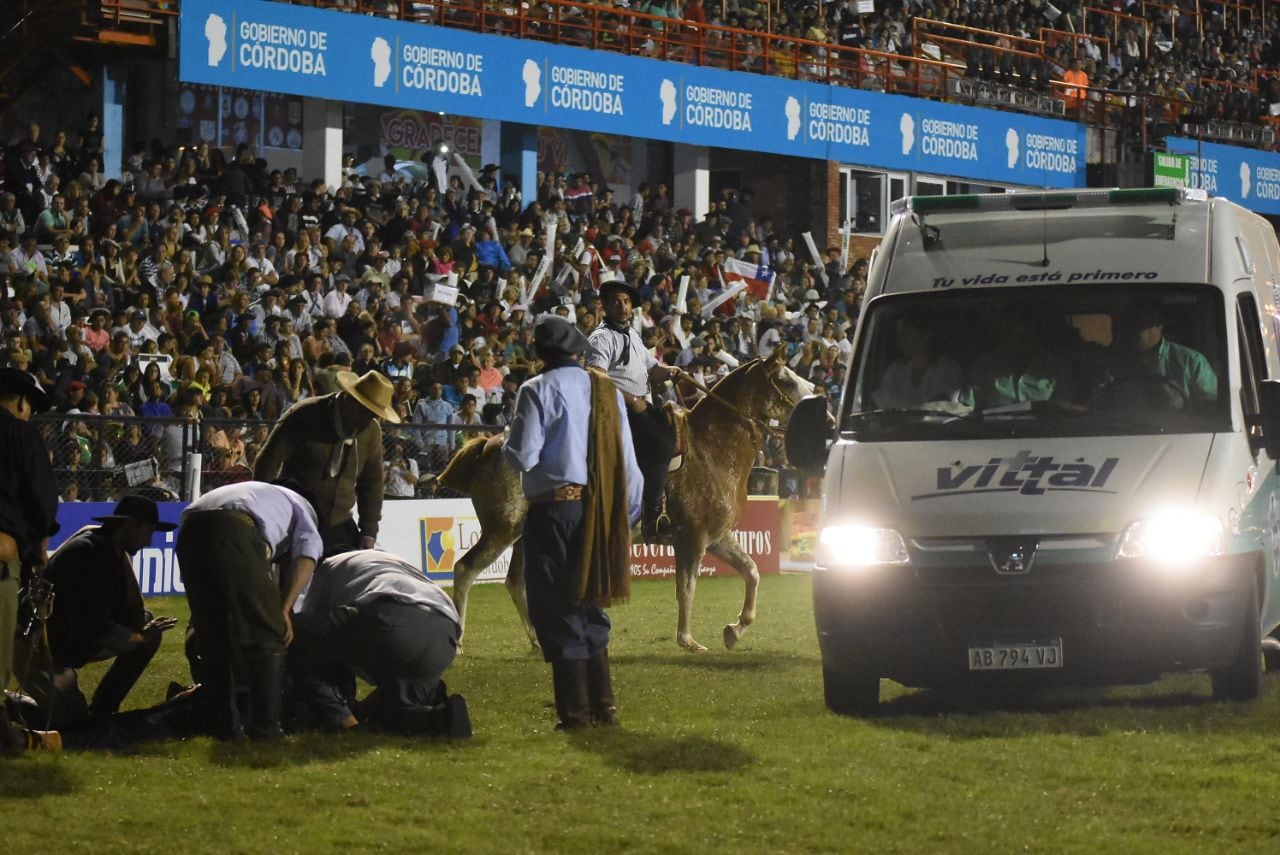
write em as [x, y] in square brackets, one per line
[214, 290]
[199, 298]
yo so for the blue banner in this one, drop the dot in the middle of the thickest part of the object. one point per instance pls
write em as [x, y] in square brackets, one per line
[277, 47]
[1246, 176]
[155, 565]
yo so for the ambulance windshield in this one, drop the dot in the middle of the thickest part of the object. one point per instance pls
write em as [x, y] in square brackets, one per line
[1083, 360]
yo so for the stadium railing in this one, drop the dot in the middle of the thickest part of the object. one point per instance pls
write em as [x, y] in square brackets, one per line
[679, 40]
[1114, 20]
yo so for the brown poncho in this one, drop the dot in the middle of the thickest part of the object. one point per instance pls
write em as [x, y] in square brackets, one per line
[604, 577]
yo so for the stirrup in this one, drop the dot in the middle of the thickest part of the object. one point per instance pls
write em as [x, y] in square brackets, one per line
[659, 531]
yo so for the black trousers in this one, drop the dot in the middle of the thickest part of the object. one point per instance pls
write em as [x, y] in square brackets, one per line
[400, 648]
[566, 628]
[340, 537]
[236, 604]
[58, 693]
[654, 450]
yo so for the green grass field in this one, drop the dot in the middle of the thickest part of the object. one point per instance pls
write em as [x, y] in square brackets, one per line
[720, 752]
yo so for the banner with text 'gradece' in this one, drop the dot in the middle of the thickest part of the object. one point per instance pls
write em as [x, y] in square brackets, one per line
[341, 56]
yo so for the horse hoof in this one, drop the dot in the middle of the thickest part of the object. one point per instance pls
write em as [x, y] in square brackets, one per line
[731, 635]
[693, 646]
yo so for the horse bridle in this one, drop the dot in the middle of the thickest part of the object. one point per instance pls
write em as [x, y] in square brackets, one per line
[764, 426]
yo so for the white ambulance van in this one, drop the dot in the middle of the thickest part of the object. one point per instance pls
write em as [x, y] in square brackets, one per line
[1054, 459]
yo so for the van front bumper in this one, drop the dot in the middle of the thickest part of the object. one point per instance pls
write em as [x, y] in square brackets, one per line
[1120, 622]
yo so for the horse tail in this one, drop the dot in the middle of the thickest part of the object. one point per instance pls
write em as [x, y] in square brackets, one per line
[458, 474]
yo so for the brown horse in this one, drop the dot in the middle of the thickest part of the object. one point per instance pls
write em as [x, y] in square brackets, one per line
[725, 430]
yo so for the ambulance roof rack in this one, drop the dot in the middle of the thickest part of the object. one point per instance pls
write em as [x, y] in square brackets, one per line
[1034, 200]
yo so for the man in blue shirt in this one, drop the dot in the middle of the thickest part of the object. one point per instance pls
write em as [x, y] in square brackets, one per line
[432, 409]
[226, 545]
[576, 463]
[157, 405]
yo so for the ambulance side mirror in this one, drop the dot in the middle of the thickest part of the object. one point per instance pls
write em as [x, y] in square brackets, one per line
[808, 431]
[1270, 404]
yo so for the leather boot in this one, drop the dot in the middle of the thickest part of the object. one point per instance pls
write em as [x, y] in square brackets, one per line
[266, 694]
[569, 677]
[600, 690]
[216, 698]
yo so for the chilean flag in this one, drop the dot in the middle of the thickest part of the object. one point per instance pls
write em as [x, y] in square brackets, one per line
[759, 278]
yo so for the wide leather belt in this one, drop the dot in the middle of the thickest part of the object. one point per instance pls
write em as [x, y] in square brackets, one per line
[563, 493]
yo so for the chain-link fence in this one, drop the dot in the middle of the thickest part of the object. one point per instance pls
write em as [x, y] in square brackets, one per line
[100, 458]
[412, 453]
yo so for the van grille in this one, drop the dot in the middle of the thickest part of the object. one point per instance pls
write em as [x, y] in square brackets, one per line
[946, 561]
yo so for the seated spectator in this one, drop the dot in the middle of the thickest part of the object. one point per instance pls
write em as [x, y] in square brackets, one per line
[53, 221]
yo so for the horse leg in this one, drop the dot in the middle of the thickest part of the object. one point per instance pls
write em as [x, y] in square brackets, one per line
[687, 560]
[469, 567]
[515, 587]
[728, 551]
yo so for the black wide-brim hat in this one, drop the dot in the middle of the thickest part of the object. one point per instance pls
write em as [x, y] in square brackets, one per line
[137, 508]
[615, 285]
[19, 382]
[553, 332]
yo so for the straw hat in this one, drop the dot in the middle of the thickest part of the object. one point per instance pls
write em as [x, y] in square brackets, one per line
[371, 389]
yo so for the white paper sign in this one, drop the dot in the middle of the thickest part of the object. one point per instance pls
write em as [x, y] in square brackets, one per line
[439, 292]
[816, 256]
[468, 176]
[538, 275]
[727, 294]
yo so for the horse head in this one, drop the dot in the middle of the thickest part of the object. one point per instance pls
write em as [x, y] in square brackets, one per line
[765, 389]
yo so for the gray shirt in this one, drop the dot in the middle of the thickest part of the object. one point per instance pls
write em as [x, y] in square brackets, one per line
[356, 578]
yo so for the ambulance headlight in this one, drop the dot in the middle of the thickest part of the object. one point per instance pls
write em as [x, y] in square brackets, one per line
[851, 546]
[1174, 538]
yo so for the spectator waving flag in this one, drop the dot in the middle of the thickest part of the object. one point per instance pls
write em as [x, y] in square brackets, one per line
[757, 276]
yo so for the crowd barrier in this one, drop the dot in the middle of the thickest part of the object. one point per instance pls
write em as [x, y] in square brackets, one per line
[434, 533]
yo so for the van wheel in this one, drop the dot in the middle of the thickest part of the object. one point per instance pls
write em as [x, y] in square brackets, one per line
[1241, 678]
[853, 694]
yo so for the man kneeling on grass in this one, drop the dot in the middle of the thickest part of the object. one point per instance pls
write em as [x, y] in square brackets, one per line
[372, 615]
[99, 615]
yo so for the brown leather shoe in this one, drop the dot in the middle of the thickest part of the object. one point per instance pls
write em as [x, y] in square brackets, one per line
[44, 740]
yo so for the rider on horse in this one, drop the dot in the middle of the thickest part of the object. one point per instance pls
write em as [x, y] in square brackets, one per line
[617, 349]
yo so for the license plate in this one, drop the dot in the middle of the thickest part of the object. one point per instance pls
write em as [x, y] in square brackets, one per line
[1016, 657]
